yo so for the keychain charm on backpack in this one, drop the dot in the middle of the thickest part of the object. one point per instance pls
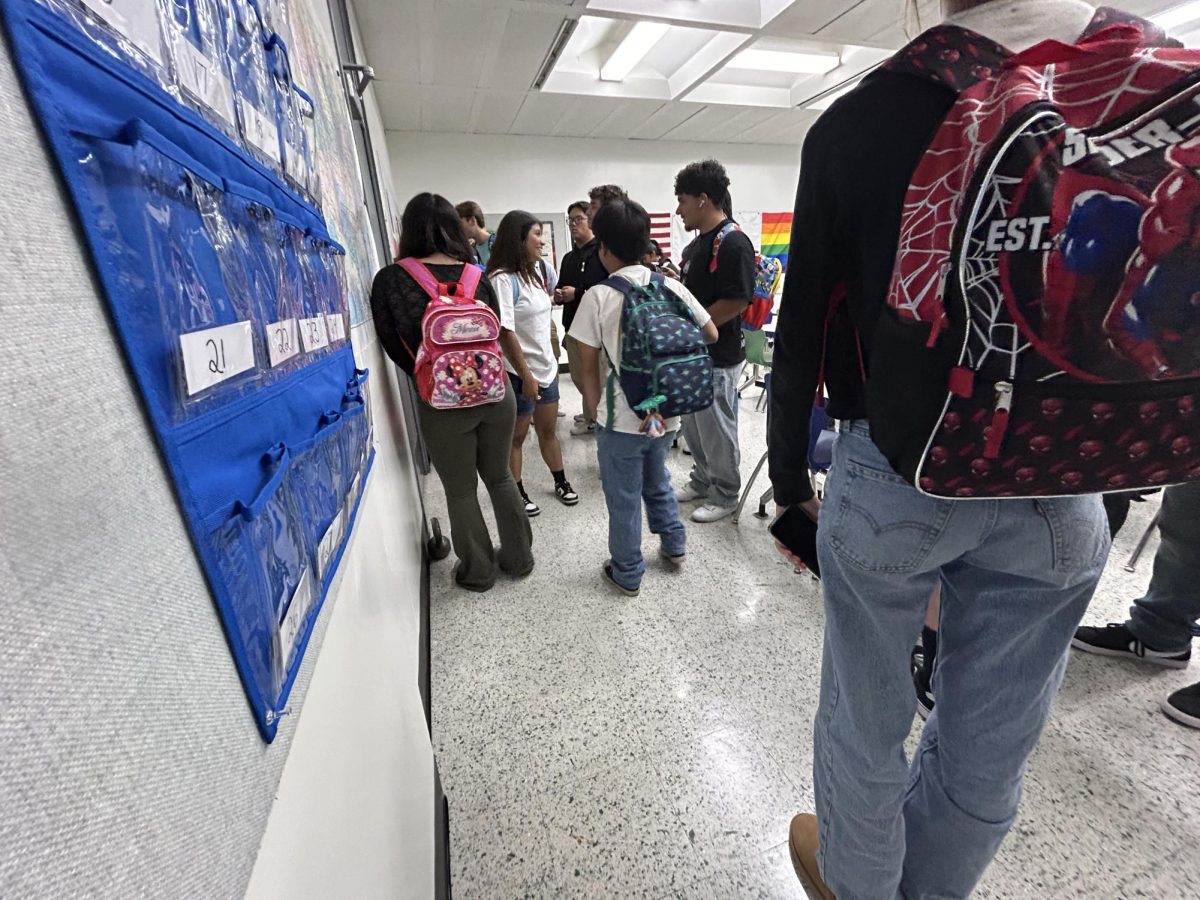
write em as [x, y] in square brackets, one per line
[1051, 269]
[665, 365]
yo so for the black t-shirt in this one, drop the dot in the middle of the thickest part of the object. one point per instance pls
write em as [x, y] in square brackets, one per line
[733, 280]
[582, 270]
[858, 160]
[398, 303]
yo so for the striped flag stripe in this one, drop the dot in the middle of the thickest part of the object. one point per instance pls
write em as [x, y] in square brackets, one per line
[660, 230]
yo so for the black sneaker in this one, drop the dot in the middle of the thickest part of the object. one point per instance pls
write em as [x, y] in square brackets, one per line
[1184, 706]
[922, 682]
[531, 508]
[566, 494]
[608, 576]
[1117, 640]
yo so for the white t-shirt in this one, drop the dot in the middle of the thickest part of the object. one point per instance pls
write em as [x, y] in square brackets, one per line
[597, 323]
[527, 315]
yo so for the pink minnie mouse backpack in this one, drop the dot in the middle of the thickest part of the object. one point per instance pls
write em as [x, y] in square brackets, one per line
[458, 364]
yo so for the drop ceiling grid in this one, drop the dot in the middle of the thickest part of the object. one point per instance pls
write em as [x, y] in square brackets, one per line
[467, 66]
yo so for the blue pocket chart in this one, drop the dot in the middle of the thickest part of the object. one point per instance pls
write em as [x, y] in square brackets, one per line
[175, 125]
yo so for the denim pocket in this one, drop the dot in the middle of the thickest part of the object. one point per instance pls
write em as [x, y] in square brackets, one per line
[1078, 531]
[881, 523]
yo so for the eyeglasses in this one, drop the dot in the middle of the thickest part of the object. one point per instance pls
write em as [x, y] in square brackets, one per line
[576, 220]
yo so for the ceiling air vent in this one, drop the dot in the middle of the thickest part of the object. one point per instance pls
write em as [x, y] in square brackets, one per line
[556, 48]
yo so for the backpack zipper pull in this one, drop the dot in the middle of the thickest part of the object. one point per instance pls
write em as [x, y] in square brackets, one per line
[935, 331]
[994, 433]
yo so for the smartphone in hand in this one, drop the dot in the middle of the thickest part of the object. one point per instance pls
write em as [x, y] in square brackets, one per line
[797, 531]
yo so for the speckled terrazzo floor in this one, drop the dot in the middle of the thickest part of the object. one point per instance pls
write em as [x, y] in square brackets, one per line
[597, 746]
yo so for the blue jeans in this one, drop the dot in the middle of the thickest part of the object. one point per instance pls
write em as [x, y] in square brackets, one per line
[1166, 617]
[712, 436]
[633, 468]
[1017, 576]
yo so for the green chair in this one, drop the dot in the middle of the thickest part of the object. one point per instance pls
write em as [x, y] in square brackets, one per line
[760, 350]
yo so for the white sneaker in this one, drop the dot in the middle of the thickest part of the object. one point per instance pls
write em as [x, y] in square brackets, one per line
[688, 493]
[583, 427]
[710, 512]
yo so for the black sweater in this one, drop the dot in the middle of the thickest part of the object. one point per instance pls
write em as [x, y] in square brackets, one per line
[855, 170]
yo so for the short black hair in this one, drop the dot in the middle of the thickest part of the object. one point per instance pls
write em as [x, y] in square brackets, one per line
[705, 177]
[431, 225]
[581, 205]
[623, 227]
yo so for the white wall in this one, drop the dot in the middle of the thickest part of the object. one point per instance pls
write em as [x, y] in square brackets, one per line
[130, 764]
[540, 174]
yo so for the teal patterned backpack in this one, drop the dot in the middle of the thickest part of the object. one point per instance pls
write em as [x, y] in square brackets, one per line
[665, 366]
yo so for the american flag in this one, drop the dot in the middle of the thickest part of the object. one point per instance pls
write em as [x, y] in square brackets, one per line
[660, 230]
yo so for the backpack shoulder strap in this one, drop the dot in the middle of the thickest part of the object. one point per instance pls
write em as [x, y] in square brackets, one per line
[469, 279]
[421, 275]
[617, 283]
[725, 231]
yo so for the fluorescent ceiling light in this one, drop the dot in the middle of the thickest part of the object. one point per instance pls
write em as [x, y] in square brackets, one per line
[1180, 15]
[803, 63]
[829, 99]
[632, 50]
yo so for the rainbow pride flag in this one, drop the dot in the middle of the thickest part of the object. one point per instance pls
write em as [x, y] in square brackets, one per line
[777, 236]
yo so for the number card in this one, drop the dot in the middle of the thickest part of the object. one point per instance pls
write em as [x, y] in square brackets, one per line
[283, 341]
[314, 333]
[203, 78]
[216, 354]
[293, 621]
[337, 327]
[136, 20]
[329, 544]
[260, 131]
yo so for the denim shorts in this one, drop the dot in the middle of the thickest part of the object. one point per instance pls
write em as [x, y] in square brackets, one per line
[525, 406]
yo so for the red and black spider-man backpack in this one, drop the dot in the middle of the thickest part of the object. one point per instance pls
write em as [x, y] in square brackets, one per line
[1049, 265]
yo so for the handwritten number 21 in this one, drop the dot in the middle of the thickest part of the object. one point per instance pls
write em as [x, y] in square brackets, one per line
[217, 363]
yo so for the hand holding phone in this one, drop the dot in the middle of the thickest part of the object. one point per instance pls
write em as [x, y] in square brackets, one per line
[795, 530]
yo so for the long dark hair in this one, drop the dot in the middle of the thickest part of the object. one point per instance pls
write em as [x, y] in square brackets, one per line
[430, 225]
[508, 253]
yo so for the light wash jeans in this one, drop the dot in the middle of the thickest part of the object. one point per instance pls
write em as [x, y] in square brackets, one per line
[1017, 576]
[712, 436]
[633, 468]
[1166, 617]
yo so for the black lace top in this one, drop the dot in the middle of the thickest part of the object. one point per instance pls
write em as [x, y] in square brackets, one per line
[398, 302]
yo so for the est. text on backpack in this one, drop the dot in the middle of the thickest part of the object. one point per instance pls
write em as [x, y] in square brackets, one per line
[459, 362]
[1048, 271]
[767, 273]
[665, 365]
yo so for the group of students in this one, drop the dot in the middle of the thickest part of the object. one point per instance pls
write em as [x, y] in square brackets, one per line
[1013, 576]
[611, 237]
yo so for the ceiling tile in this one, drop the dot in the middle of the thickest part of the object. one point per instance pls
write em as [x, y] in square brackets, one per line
[446, 109]
[493, 112]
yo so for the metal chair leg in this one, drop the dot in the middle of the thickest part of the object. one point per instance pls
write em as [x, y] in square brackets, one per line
[767, 497]
[1131, 566]
[737, 514]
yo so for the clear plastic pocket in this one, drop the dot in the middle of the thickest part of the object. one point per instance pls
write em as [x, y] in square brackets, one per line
[260, 551]
[128, 30]
[209, 328]
[198, 60]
